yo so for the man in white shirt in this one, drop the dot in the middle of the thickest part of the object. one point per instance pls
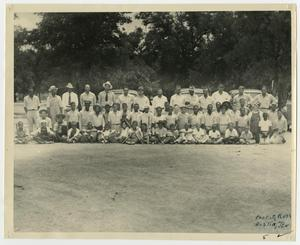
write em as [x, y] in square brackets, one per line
[106, 97]
[141, 99]
[191, 99]
[241, 95]
[159, 100]
[220, 95]
[87, 95]
[69, 97]
[264, 99]
[126, 98]
[31, 107]
[205, 100]
[177, 98]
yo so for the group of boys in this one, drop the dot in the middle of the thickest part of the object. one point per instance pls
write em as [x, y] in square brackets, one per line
[187, 119]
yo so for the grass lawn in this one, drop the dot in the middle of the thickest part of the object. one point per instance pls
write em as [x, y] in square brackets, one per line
[150, 188]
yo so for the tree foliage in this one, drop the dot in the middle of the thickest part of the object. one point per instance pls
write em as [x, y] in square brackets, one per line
[202, 48]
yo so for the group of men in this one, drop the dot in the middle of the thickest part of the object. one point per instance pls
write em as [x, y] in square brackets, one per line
[187, 119]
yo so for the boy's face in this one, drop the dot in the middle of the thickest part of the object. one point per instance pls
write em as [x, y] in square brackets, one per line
[209, 108]
[107, 107]
[136, 107]
[20, 125]
[97, 109]
[195, 109]
[183, 110]
[230, 126]
[223, 110]
[265, 116]
[158, 111]
[213, 127]
[218, 105]
[134, 125]
[43, 114]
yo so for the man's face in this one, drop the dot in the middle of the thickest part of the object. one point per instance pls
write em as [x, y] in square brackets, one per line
[73, 106]
[158, 111]
[124, 107]
[136, 107]
[209, 108]
[183, 110]
[140, 92]
[43, 114]
[195, 109]
[107, 87]
[146, 110]
[178, 90]
[279, 114]
[265, 116]
[159, 92]
[125, 91]
[30, 92]
[241, 90]
[97, 109]
[221, 88]
[264, 90]
[205, 91]
[59, 119]
[115, 107]
[87, 88]
[107, 108]
[191, 91]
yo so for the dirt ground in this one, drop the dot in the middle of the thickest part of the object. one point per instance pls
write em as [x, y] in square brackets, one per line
[150, 188]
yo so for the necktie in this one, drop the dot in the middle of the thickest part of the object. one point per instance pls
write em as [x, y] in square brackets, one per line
[69, 98]
[106, 97]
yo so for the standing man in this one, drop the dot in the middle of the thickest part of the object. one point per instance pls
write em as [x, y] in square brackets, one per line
[191, 99]
[31, 107]
[177, 98]
[264, 99]
[205, 100]
[159, 100]
[141, 99]
[54, 104]
[106, 97]
[241, 95]
[220, 95]
[126, 98]
[69, 97]
[87, 95]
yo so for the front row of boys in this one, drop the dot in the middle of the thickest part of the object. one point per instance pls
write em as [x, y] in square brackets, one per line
[89, 126]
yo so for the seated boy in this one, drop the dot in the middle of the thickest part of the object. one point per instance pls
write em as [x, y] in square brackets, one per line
[89, 134]
[199, 134]
[186, 135]
[214, 135]
[134, 134]
[44, 117]
[146, 133]
[22, 136]
[247, 137]
[110, 135]
[265, 127]
[43, 135]
[231, 135]
[122, 137]
[172, 135]
[60, 129]
[160, 132]
[73, 133]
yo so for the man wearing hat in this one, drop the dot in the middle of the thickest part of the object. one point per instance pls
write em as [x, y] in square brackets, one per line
[87, 95]
[54, 104]
[106, 96]
[69, 97]
[31, 107]
[141, 99]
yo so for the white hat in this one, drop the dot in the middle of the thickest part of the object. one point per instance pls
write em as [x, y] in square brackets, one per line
[107, 83]
[69, 85]
[52, 88]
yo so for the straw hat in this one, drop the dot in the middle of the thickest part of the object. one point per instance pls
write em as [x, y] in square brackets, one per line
[107, 83]
[52, 88]
[69, 85]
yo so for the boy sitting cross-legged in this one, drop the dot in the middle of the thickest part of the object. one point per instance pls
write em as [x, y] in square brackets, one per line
[73, 133]
[172, 135]
[231, 135]
[43, 135]
[214, 135]
[199, 134]
[22, 136]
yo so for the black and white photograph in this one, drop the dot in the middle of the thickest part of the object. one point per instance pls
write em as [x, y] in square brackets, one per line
[166, 121]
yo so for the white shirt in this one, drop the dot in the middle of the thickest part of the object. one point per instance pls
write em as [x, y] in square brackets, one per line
[204, 102]
[115, 117]
[90, 97]
[142, 101]
[191, 100]
[177, 99]
[65, 99]
[98, 120]
[126, 99]
[229, 133]
[31, 103]
[73, 116]
[217, 97]
[264, 125]
[159, 101]
[264, 101]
